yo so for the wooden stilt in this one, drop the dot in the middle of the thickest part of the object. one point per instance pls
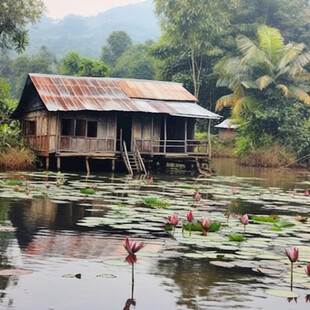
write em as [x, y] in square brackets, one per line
[87, 166]
[113, 165]
[47, 163]
[58, 163]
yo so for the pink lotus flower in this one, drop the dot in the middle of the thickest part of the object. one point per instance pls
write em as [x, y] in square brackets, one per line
[197, 196]
[308, 270]
[149, 181]
[16, 188]
[307, 192]
[173, 219]
[132, 247]
[131, 259]
[234, 191]
[205, 224]
[292, 254]
[190, 216]
[244, 219]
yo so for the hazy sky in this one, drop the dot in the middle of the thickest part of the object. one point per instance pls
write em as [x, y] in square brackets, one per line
[59, 8]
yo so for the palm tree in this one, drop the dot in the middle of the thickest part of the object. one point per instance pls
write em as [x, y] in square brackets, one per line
[271, 67]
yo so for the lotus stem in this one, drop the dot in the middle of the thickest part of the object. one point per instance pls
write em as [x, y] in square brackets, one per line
[190, 229]
[133, 275]
[132, 282]
[291, 276]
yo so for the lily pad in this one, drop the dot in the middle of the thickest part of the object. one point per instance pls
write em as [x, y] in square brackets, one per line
[106, 275]
[115, 262]
[237, 238]
[222, 264]
[281, 293]
[87, 191]
[282, 224]
[14, 272]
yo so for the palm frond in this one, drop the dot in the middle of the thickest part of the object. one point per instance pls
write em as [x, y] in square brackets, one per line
[292, 54]
[225, 101]
[249, 84]
[285, 90]
[252, 54]
[264, 81]
[243, 105]
[301, 94]
[271, 42]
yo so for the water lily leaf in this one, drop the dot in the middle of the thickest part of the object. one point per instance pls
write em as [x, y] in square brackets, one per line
[115, 262]
[14, 272]
[215, 226]
[13, 182]
[282, 293]
[106, 275]
[156, 202]
[282, 224]
[266, 271]
[222, 264]
[265, 219]
[87, 191]
[237, 238]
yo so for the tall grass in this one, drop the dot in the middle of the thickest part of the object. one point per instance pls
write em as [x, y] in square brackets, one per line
[15, 159]
[271, 156]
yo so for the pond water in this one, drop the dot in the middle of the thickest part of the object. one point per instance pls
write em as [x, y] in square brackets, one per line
[62, 237]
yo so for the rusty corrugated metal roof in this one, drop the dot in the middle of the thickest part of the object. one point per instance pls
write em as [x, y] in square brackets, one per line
[67, 93]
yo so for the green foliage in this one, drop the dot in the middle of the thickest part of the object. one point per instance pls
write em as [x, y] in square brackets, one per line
[74, 64]
[10, 137]
[191, 28]
[266, 80]
[44, 61]
[118, 43]
[136, 62]
[7, 104]
[15, 16]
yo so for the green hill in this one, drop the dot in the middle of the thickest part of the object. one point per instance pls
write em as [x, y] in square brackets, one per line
[87, 35]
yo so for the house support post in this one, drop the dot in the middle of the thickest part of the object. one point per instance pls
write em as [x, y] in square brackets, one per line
[113, 165]
[87, 166]
[209, 138]
[47, 163]
[58, 163]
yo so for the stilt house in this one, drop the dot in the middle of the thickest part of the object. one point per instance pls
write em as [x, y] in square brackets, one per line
[134, 121]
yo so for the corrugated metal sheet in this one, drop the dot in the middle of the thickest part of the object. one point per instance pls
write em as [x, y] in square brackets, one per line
[65, 93]
[227, 124]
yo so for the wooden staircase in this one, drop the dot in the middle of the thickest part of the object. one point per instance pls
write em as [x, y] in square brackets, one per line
[133, 160]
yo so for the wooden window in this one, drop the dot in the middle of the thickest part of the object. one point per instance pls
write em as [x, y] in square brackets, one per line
[80, 128]
[91, 129]
[67, 125]
[30, 128]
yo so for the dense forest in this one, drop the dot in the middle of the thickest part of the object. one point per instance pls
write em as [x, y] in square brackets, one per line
[245, 59]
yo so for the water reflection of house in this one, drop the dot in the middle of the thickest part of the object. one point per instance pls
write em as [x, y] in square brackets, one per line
[115, 119]
[226, 129]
